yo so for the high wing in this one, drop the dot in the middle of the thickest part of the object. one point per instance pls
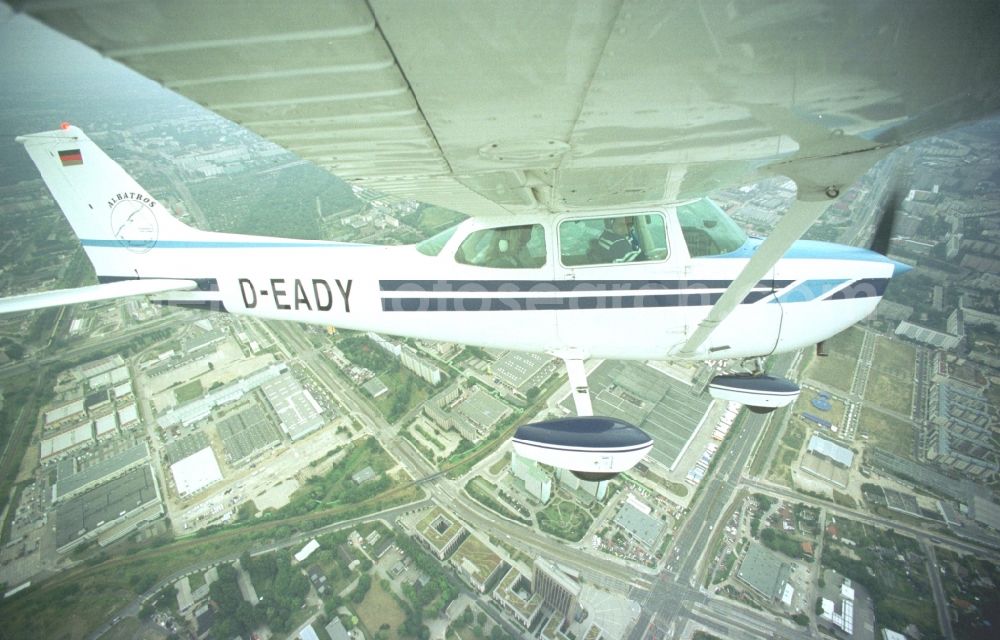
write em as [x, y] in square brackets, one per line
[93, 293]
[488, 107]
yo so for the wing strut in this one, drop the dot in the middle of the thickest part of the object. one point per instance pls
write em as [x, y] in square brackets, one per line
[578, 386]
[793, 224]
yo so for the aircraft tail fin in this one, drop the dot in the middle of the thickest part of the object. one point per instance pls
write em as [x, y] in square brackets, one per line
[118, 223]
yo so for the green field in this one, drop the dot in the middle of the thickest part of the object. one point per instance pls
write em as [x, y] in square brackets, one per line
[379, 608]
[837, 369]
[565, 520]
[890, 383]
[188, 392]
[885, 431]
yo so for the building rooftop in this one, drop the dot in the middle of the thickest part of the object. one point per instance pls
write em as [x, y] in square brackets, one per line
[105, 503]
[375, 387]
[69, 481]
[298, 411]
[517, 370]
[483, 409]
[439, 528]
[476, 559]
[641, 526]
[763, 570]
[515, 591]
[832, 450]
[195, 472]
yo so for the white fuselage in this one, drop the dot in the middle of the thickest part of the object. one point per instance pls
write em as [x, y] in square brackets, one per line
[639, 310]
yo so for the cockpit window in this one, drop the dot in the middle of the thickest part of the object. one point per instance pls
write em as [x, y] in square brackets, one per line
[707, 230]
[520, 247]
[614, 239]
[433, 245]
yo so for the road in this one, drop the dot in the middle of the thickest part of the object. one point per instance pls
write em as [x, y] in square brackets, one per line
[676, 595]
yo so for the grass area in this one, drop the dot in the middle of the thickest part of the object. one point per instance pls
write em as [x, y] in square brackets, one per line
[379, 608]
[406, 391]
[885, 431]
[565, 520]
[188, 392]
[837, 369]
[890, 384]
[764, 444]
[499, 465]
[834, 371]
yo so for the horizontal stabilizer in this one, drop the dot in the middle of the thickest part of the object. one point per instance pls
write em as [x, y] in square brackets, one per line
[93, 293]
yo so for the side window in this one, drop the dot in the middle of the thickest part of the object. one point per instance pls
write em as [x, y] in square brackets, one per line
[707, 230]
[521, 247]
[614, 239]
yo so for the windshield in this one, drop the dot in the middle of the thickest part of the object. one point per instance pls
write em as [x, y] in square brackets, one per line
[433, 245]
[707, 230]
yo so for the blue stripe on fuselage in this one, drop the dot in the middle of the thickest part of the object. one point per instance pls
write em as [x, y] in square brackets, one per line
[220, 244]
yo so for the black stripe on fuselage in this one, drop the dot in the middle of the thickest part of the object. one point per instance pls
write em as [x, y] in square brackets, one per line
[561, 286]
[864, 288]
[567, 303]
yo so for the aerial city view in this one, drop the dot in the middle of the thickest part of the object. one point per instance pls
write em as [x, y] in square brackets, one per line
[176, 472]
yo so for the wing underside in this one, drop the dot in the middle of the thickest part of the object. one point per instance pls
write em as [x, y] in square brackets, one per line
[490, 108]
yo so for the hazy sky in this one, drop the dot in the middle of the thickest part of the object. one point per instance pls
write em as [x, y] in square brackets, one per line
[47, 78]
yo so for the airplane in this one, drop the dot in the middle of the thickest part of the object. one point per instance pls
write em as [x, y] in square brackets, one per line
[582, 139]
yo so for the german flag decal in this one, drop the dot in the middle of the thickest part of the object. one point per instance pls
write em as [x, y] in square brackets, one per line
[71, 157]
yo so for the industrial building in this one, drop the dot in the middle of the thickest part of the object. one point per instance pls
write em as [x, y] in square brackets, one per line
[67, 441]
[64, 414]
[109, 511]
[519, 372]
[828, 460]
[192, 412]
[72, 480]
[297, 410]
[196, 472]
[246, 433]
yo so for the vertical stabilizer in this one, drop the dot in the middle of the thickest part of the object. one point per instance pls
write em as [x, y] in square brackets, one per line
[116, 220]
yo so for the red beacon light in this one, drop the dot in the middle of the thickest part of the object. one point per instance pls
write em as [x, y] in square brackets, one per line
[64, 125]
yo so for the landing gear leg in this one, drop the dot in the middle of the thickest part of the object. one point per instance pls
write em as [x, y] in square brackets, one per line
[579, 388]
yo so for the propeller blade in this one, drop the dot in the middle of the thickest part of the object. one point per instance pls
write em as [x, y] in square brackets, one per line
[886, 222]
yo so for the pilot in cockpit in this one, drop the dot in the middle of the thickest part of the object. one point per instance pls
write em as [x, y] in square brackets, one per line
[619, 241]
